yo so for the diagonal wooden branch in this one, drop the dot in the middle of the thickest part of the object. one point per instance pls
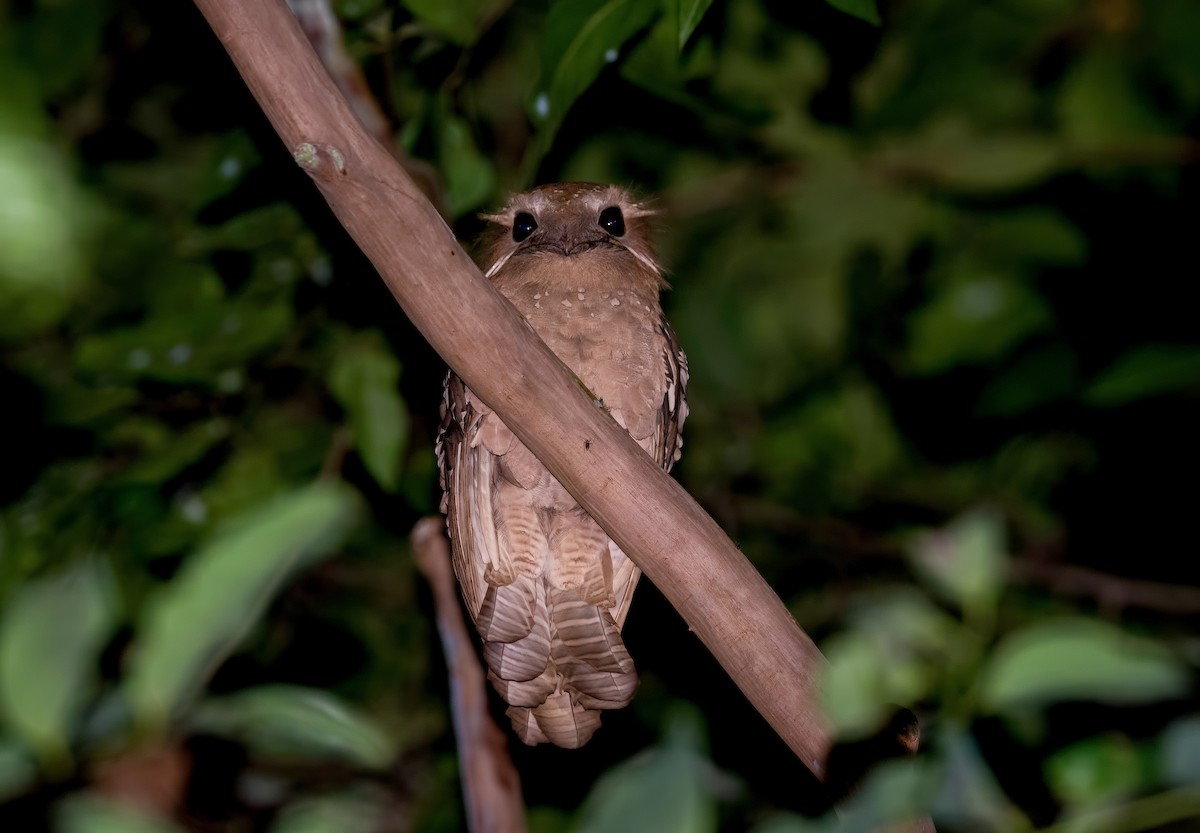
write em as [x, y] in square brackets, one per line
[479, 334]
[324, 32]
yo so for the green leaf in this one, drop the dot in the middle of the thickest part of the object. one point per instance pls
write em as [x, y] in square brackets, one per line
[887, 219]
[61, 43]
[854, 691]
[688, 15]
[968, 797]
[364, 380]
[667, 789]
[1173, 32]
[656, 65]
[893, 792]
[166, 453]
[1099, 103]
[78, 405]
[997, 163]
[200, 617]
[862, 9]
[18, 772]
[192, 334]
[772, 86]
[88, 812]
[1180, 753]
[896, 649]
[976, 320]
[1034, 234]
[1152, 370]
[44, 261]
[347, 812]
[1044, 376]
[249, 230]
[967, 561]
[956, 155]
[357, 10]
[787, 823]
[297, 724]
[843, 437]
[51, 635]
[469, 174]
[458, 20]
[1096, 771]
[543, 819]
[580, 39]
[1079, 659]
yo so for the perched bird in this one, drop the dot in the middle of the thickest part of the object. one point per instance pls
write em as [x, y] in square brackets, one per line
[546, 587]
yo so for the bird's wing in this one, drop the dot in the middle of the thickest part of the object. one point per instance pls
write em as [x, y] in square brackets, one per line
[481, 462]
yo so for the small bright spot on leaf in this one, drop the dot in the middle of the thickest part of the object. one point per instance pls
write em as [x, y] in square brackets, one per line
[139, 359]
[284, 270]
[193, 509]
[230, 381]
[980, 299]
[320, 269]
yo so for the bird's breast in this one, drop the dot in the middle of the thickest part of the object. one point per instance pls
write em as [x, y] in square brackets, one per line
[604, 323]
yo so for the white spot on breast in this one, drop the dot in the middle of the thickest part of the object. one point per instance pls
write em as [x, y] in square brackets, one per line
[615, 302]
[566, 303]
[537, 295]
[580, 296]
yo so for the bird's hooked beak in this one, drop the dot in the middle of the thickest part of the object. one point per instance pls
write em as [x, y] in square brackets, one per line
[566, 243]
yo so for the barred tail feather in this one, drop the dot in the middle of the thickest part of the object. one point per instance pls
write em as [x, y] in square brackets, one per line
[522, 660]
[559, 720]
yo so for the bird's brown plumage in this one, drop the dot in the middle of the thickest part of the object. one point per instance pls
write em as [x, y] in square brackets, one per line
[547, 589]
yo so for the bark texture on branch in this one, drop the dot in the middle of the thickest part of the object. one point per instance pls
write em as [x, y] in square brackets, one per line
[480, 335]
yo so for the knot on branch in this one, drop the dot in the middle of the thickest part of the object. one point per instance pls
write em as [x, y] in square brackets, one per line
[319, 160]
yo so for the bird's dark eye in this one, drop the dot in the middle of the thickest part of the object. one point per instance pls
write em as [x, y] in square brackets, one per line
[523, 226]
[612, 221]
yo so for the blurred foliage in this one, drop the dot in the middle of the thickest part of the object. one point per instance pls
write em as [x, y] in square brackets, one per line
[930, 270]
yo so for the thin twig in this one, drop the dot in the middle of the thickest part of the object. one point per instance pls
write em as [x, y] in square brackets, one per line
[1113, 593]
[324, 33]
[491, 786]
